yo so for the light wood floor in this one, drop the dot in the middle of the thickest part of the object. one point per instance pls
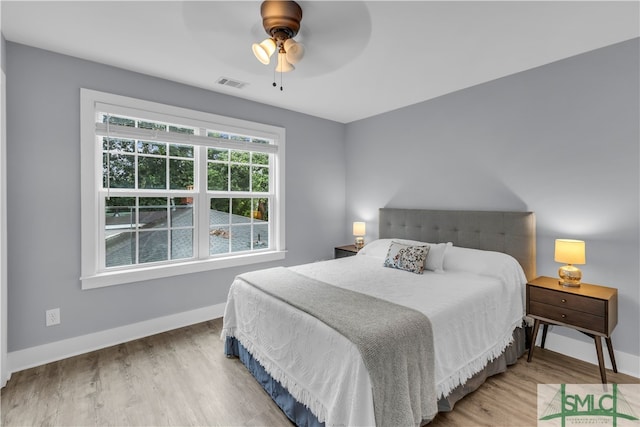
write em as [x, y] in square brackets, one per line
[182, 378]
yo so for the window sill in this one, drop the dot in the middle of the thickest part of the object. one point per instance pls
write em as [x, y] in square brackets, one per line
[113, 278]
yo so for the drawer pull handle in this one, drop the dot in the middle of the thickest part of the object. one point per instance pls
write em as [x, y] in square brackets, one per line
[564, 316]
[563, 300]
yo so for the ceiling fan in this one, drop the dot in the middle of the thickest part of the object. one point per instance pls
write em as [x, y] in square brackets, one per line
[281, 21]
[321, 37]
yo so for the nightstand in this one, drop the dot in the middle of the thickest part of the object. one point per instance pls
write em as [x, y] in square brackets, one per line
[345, 251]
[590, 309]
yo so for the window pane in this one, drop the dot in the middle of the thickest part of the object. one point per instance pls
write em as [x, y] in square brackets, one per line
[120, 222]
[119, 145]
[260, 223]
[181, 150]
[152, 173]
[181, 129]
[216, 134]
[181, 216]
[260, 158]
[260, 179]
[218, 176]
[240, 138]
[153, 246]
[241, 210]
[261, 209]
[240, 238]
[152, 125]
[118, 171]
[261, 236]
[219, 240]
[239, 178]
[152, 213]
[240, 156]
[221, 207]
[180, 174]
[120, 213]
[215, 154]
[218, 224]
[181, 244]
[159, 148]
[120, 249]
[183, 201]
[122, 121]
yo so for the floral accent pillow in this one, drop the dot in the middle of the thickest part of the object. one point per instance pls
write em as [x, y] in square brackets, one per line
[405, 257]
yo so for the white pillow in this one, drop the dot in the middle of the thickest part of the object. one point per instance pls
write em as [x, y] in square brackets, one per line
[486, 263]
[472, 260]
[435, 257]
[376, 248]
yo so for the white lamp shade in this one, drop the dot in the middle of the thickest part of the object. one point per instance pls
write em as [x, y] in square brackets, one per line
[283, 65]
[359, 229]
[295, 51]
[264, 50]
[570, 251]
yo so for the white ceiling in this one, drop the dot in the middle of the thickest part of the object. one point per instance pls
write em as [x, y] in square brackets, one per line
[362, 57]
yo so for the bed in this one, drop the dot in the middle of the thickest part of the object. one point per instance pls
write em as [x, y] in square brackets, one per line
[447, 329]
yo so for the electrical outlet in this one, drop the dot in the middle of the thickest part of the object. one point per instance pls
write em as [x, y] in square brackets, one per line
[53, 317]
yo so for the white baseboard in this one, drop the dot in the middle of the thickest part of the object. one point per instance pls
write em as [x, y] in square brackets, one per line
[626, 363]
[46, 353]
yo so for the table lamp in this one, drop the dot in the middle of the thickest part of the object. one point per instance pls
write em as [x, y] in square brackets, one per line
[359, 229]
[570, 252]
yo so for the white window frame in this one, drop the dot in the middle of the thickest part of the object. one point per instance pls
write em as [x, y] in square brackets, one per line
[92, 209]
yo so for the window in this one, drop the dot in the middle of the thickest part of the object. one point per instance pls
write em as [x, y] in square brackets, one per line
[168, 191]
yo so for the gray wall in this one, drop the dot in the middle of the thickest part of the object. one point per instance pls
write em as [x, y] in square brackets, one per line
[3, 52]
[561, 140]
[43, 152]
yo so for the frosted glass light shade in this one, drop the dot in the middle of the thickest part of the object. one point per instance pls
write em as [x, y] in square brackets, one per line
[295, 51]
[283, 64]
[264, 50]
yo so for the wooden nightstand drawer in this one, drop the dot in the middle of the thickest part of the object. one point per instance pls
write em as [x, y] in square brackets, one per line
[590, 309]
[569, 301]
[565, 315]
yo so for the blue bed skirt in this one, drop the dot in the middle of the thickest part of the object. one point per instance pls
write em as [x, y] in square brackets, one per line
[296, 411]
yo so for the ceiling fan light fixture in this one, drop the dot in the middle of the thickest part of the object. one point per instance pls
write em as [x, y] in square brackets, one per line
[281, 21]
[264, 50]
[283, 65]
[294, 51]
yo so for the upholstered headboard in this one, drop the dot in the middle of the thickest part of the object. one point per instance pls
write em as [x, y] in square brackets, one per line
[513, 233]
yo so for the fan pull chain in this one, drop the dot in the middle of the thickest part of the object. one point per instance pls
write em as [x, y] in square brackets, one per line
[274, 76]
[280, 52]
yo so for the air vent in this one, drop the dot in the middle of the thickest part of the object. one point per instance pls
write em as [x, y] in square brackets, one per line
[230, 82]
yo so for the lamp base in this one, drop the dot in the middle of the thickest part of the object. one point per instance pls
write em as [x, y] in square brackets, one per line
[570, 276]
[359, 242]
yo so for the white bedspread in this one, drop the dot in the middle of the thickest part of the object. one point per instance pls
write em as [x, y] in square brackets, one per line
[473, 317]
